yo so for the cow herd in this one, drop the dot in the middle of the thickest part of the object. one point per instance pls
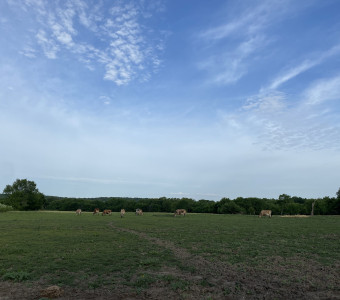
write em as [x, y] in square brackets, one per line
[108, 212]
[139, 212]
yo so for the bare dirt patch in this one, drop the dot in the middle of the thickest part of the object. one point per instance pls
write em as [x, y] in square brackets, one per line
[32, 291]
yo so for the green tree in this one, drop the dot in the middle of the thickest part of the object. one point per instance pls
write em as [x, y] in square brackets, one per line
[204, 206]
[332, 205]
[283, 201]
[227, 206]
[293, 208]
[186, 203]
[24, 195]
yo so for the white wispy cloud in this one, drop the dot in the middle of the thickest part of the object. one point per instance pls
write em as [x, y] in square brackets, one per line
[250, 20]
[228, 67]
[105, 99]
[29, 52]
[292, 73]
[126, 52]
[266, 103]
[307, 64]
[285, 128]
[322, 91]
[38, 5]
[49, 46]
[61, 35]
[281, 123]
[242, 38]
[295, 121]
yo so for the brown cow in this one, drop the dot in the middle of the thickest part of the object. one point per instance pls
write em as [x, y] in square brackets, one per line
[179, 212]
[122, 212]
[267, 213]
[78, 212]
[139, 212]
[107, 212]
[96, 211]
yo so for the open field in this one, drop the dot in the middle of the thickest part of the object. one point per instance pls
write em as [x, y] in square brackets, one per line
[157, 256]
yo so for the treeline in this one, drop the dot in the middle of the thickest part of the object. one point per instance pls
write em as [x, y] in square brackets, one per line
[24, 195]
[285, 204]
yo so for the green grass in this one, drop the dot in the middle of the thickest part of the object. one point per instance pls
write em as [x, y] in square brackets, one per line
[65, 249]
[248, 239]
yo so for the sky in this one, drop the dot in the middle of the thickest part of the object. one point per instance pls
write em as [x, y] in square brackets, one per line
[153, 98]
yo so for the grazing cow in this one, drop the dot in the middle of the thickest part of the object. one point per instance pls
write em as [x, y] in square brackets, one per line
[96, 211]
[267, 213]
[107, 212]
[179, 212]
[78, 212]
[122, 212]
[139, 212]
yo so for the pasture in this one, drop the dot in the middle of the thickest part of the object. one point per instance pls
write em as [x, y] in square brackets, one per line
[157, 256]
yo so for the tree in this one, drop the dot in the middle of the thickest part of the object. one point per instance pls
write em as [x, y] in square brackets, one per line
[338, 194]
[204, 206]
[284, 200]
[313, 204]
[185, 203]
[24, 195]
[227, 206]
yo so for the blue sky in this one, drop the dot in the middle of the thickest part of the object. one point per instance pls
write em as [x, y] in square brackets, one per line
[200, 99]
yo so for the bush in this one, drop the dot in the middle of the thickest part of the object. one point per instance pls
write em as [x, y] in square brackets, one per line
[4, 208]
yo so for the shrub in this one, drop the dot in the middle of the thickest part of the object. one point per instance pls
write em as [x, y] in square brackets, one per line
[4, 208]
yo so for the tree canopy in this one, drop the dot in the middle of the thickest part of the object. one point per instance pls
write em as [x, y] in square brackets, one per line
[23, 195]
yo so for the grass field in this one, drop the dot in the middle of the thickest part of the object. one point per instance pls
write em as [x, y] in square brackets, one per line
[157, 256]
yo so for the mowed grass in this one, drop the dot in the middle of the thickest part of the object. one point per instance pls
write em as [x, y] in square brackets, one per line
[242, 239]
[65, 249]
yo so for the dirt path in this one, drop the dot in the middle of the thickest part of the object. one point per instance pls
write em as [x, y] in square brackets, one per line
[225, 282]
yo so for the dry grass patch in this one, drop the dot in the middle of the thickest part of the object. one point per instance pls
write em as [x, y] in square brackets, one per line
[295, 216]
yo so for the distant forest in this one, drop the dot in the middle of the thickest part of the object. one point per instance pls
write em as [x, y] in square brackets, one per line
[284, 205]
[23, 195]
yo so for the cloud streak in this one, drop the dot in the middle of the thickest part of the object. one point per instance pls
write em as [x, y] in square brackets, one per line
[322, 91]
[249, 22]
[242, 38]
[304, 66]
